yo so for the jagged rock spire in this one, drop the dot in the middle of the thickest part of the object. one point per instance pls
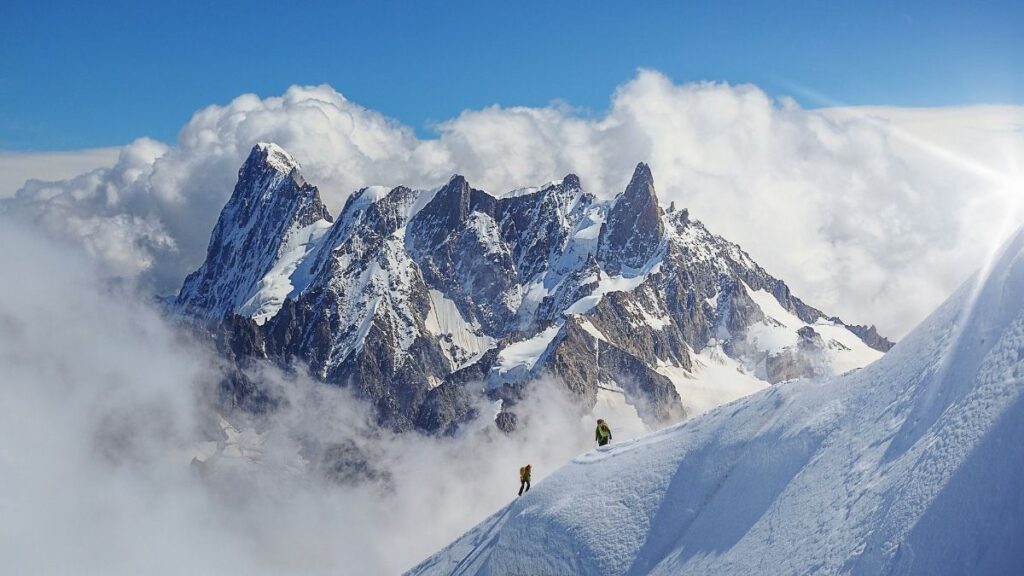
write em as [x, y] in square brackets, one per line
[631, 234]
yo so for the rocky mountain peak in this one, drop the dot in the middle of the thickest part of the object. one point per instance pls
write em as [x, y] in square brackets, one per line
[457, 182]
[267, 155]
[641, 177]
[443, 214]
[871, 337]
[571, 181]
[269, 210]
[631, 234]
[447, 213]
[269, 169]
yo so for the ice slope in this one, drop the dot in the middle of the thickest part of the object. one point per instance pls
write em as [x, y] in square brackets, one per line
[287, 276]
[912, 465]
[463, 342]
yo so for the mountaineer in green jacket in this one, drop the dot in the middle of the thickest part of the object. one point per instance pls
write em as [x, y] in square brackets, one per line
[603, 434]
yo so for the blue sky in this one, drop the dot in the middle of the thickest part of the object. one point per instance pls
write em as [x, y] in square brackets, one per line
[74, 75]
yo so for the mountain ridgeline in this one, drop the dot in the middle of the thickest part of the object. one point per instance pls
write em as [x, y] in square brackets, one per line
[425, 301]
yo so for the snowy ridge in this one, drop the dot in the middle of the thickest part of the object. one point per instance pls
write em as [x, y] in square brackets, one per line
[779, 332]
[908, 466]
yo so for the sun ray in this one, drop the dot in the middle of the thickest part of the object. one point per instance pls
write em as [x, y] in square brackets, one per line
[1008, 184]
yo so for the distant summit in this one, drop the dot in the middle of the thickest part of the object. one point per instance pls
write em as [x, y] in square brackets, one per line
[258, 241]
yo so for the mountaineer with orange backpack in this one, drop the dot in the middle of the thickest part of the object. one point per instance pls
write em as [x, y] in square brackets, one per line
[524, 478]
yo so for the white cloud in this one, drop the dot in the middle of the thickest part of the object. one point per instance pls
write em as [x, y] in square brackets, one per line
[874, 214]
[18, 167]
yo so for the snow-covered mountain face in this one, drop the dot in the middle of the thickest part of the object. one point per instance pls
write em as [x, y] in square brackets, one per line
[909, 466]
[425, 300]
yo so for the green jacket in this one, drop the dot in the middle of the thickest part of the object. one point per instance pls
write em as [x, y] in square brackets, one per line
[602, 432]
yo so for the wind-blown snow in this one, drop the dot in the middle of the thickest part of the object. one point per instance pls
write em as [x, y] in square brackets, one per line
[910, 465]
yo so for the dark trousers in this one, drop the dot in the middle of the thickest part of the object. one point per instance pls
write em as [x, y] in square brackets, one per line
[524, 486]
[603, 441]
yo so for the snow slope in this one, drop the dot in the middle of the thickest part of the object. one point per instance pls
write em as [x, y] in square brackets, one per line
[715, 380]
[518, 359]
[779, 330]
[288, 276]
[912, 465]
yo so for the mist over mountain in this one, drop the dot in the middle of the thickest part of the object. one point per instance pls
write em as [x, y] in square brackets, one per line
[868, 213]
[118, 458]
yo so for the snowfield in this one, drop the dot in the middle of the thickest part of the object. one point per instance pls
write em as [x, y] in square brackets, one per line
[912, 465]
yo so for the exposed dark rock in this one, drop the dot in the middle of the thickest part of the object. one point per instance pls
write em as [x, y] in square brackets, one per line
[871, 337]
[460, 251]
[346, 463]
[507, 422]
[574, 360]
[445, 407]
[653, 395]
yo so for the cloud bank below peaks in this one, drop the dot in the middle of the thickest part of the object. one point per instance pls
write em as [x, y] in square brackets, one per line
[105, 405]
[877, 213]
